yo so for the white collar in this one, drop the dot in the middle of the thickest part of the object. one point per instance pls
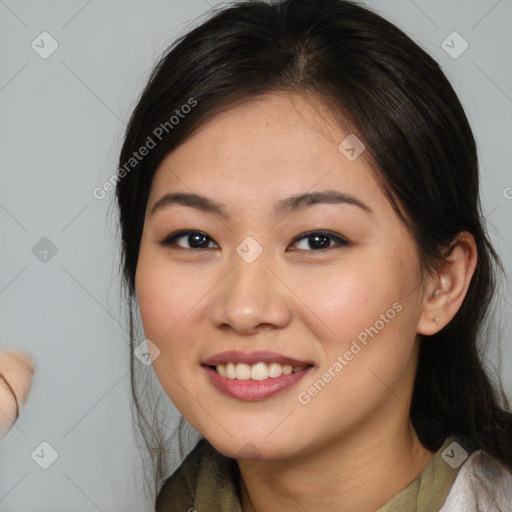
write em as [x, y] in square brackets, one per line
[482, 484]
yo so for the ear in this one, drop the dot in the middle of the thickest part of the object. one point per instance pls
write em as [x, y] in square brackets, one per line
[445, 291]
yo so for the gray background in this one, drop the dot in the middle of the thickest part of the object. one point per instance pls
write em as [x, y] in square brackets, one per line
[62, 122]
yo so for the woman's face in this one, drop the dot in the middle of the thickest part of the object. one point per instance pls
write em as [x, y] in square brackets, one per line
[345, 302]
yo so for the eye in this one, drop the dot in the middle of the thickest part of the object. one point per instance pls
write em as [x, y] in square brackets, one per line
[196, 239]
[319, 240]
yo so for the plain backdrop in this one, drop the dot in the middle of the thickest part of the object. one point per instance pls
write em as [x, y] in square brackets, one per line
[62, 121]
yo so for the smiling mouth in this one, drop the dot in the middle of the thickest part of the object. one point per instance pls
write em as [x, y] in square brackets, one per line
[259, 371]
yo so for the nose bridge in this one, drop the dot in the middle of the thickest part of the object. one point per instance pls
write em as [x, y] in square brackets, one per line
[250, 294]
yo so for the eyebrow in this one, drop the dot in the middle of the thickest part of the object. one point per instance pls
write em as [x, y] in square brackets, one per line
[284, 206]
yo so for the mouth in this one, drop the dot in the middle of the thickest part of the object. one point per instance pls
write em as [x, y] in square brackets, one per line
[255, 376]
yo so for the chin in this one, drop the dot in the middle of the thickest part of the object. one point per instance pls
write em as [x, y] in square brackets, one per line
[255, 447]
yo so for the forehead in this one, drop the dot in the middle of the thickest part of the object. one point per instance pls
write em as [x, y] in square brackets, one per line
[264, 149]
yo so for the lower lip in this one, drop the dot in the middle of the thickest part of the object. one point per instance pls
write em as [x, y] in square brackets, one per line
[253, 390]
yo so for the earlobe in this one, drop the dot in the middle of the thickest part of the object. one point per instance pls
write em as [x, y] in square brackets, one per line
[446, 292]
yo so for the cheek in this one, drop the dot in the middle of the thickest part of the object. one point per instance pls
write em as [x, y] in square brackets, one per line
[366, 351]
[352, 296]
[163, 304]
[369, 308]
[170, 298]
[165, 294]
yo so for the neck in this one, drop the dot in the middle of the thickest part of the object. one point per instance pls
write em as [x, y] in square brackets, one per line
[359, 472]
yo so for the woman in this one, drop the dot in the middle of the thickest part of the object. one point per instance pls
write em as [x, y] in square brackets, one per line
[302, 234]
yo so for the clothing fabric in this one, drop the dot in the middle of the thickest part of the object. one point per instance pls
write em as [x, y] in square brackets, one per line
[470, 494]
[452, 481]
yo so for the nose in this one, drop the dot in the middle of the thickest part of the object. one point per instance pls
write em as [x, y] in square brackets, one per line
[251, 297]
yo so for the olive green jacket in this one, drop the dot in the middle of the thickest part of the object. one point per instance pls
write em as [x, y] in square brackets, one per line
[208, 481]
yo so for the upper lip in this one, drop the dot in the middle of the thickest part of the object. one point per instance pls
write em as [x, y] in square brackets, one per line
[235, 356]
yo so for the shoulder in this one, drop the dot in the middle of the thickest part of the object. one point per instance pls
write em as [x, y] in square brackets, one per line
[483, 484]
[205, 480]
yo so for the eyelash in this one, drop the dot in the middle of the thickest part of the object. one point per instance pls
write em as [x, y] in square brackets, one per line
[169, 240]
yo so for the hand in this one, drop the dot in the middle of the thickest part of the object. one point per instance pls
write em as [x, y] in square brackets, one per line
[16, 372]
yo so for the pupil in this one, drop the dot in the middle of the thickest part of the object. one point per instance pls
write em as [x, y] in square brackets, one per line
[197, 237]
[318, 237]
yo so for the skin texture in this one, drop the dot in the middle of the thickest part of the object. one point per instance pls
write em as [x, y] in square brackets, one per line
[17, 367]
[352, 447]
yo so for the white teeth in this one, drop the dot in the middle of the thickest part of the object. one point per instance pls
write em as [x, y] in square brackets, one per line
[287, 369]
[275, 370]
[243, 371]
[230, 371]
[258, 371]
